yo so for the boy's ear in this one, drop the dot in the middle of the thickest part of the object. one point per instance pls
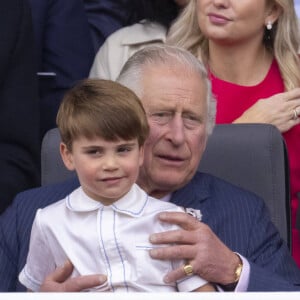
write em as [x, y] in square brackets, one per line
[66, 156]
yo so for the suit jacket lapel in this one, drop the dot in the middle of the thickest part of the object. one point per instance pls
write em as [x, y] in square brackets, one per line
[194, 193]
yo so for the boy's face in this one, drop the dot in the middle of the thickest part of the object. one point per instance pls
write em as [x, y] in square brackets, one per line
[106, 169]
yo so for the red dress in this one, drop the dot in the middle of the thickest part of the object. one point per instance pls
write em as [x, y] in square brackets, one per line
[233, 100]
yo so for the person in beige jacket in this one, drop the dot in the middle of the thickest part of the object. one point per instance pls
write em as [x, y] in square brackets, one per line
[123, 43]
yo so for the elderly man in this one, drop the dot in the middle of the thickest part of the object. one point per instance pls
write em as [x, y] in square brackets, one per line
[236, 246]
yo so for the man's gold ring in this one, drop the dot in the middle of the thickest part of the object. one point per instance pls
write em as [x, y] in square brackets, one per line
[188, 270]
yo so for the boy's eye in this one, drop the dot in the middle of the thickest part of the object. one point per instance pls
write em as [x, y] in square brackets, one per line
[124, 149]
[93, 151]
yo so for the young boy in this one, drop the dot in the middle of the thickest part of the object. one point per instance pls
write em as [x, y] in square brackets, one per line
[103, 227]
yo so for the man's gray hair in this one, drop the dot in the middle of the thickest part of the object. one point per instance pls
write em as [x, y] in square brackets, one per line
[132, 72]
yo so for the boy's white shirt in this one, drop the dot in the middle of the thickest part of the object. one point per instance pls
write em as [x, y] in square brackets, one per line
[111, 240]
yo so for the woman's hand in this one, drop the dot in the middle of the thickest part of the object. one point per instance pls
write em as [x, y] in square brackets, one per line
[278, 110]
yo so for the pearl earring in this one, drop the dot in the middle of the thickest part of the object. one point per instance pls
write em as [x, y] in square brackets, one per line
[269, 25]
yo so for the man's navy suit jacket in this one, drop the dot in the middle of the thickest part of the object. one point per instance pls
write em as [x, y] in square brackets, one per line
[238, 217]
[19, 106]
[105, 17]
[63, 45]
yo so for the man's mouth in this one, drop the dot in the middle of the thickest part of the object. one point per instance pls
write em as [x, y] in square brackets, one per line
[172, 161]
[171, 158]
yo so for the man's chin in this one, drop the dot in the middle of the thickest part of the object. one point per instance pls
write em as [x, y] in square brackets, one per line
[159, 181]
[171, 183]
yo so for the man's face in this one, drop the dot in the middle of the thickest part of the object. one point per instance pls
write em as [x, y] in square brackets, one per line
[175, 104]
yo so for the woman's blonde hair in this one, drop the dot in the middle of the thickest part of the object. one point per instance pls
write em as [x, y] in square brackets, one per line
[282, 41]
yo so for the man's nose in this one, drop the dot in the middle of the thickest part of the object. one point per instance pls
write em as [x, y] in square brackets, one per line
[176, 132]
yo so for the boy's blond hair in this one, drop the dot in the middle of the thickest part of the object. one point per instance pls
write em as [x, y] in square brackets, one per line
[101, 108]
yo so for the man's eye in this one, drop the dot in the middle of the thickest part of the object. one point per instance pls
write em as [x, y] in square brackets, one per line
[191, 120]
[161, 117]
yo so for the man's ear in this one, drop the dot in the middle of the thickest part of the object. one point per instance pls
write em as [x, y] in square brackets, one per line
[141, 156]
[66, 156]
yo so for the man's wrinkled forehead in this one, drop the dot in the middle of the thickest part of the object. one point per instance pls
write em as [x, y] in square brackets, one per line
[176, 97]
[174, 84]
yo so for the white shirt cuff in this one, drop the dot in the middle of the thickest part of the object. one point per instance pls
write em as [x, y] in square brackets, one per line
[243, 283]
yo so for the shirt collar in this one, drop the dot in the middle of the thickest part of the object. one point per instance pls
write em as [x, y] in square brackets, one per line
[132, 204]
[147, 32]
[166, 198]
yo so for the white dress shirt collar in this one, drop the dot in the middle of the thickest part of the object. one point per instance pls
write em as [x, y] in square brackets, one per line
[79, 201]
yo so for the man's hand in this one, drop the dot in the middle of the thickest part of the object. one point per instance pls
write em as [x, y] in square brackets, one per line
[60, 281]
[197, 244]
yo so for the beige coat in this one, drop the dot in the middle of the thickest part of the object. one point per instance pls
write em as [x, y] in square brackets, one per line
[122, 44]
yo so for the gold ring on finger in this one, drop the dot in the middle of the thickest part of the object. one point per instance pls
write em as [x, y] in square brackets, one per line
[188, 270]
